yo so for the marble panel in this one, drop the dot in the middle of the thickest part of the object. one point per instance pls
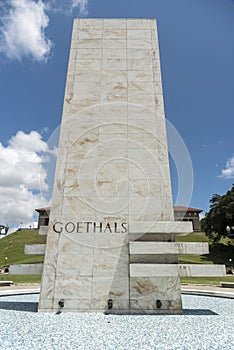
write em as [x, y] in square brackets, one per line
[117, 88]
[69, 89]
[143, 170]
[102, 305]
[109, 287]
[159, 104]
[46, 304]
[114, 64]
[90, 33]
[84, 241]
[79, 103]
[43, 230]
[116, 75]
[84, 142]
[144, 292]
[118, 240]
[147, 141]
[26, 269]
[73, 305]
[76, 265]
[138, 112]
[88, 65]
[139, 54]
[72, 58]
[89, 54]
[145, 188]
[114, 128]
[114, 43]
[142, 100]
[140, 87]
[114, 53]
[158, 87]
[153, 270]
[110, 262]
[91, 75]
[47, 285]
[139, 65]
[113, 112]
[109, 188]
[89, 43]
[141, 34]
[176, 227]
[34, 249]
[112, 171]
[139, 76]
[153, 258]
[90, 88]
[73, 288]
[104, 137]
[82, 205]
[192, 270]
[114, 97]
[115, 24]
[84, 246]
[142, 155]
[88, 116]
[168, 248]
[112, 205]
[114, 34]
[138, 44]
[156, 65]
[145, 208]
[138, 24]
[91, 23]
[164, 288]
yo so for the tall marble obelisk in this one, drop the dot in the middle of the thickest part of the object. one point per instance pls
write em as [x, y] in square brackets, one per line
[111, 230]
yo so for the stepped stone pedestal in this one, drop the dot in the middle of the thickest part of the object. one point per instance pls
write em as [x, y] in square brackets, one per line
[111, 237]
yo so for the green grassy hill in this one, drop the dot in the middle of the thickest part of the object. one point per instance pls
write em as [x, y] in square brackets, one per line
[12, 247]
[219, 253]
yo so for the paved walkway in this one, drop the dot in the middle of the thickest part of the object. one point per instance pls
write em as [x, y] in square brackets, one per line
[186, 289]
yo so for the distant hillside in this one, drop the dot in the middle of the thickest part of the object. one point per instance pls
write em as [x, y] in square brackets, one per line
[12, 247]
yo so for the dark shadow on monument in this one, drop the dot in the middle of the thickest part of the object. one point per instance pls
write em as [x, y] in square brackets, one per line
[19, 306]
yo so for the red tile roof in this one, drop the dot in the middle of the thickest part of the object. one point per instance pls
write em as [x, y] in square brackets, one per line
[186, 209]
[42, 209]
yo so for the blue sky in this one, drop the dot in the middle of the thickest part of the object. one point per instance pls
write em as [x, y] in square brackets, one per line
[197, 61]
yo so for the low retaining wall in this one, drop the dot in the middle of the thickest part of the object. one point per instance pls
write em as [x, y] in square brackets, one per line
[26, 269]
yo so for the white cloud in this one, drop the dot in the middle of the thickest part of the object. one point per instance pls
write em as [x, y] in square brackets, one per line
[22, 178]
[68, 6]
[23, 30]
[228, 171]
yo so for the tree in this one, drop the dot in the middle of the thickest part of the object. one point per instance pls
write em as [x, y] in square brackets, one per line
[220, 218]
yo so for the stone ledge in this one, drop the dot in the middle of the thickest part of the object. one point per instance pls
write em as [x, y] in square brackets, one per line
[6, 283]
[176, 227]
[26, 269]
[35, 249]
[146, 248]
[227, 284]
[43, 230]
[166, 270]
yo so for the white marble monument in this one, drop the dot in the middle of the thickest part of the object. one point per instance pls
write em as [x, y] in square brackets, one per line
[110, 244]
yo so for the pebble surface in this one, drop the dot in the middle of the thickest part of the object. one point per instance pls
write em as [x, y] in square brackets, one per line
[207, 324]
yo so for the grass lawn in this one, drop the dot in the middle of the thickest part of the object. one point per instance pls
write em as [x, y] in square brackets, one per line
[21, 279]
[215, 281]
[219, 253]
[12, 247]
